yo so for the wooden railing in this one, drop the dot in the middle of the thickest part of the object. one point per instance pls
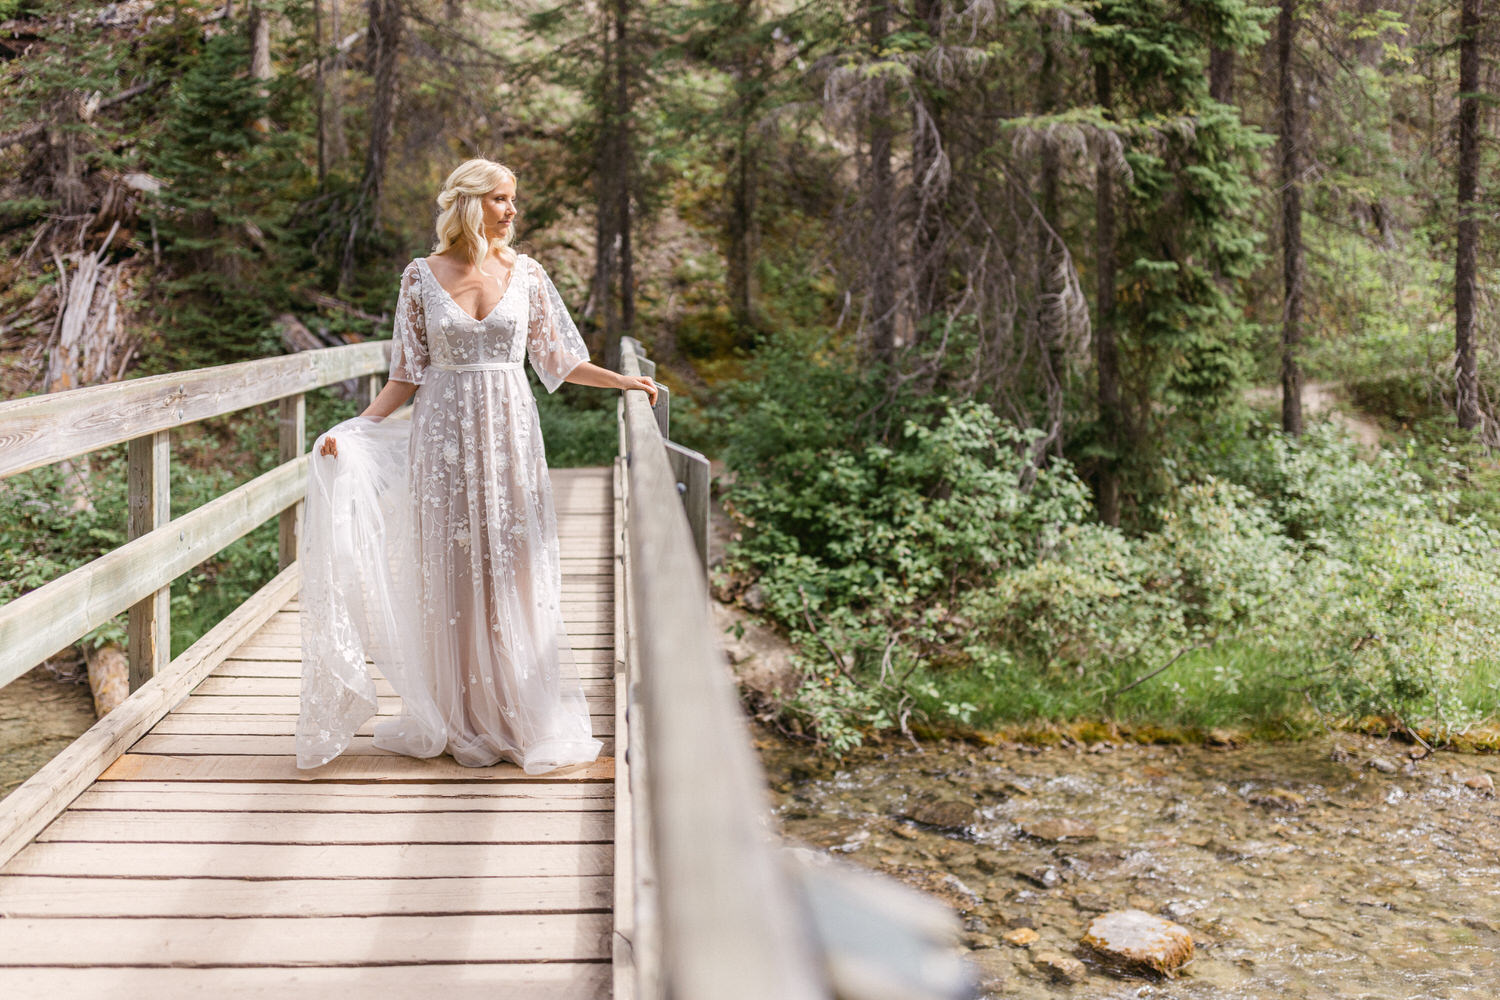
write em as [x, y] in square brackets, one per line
[719, 908]
[137, 576]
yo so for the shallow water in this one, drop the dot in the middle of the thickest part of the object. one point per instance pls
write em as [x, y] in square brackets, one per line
[40, 714]
[1302, 870]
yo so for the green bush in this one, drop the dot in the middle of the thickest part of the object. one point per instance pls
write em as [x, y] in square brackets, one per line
[933, 577]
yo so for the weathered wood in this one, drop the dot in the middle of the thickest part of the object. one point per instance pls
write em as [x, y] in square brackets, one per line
[470, 981]
[253, 686]
[232, 723]
[40, 430]
[36, 625]
[309, 861]
[70, 896]
[149, 506]
[573, 827]
[623, 948]
[291, 434]
[132, 767]
[254, 744]
[323, 941]
[33, 805]
[730, 923]
[690, 469]
[275, 796]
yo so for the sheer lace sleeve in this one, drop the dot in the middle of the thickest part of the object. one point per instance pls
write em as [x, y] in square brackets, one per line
[553, 342]
[409, 338]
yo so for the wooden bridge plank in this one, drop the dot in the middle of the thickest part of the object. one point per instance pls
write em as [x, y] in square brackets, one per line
[217, 685]
[158, 742]
[286, 725]
[331, 828]
[135, 766]
[276, 796]
[588, 663]
[474, 981]
[73, 896]
[288, 704]
[308, 860]
[324, 941]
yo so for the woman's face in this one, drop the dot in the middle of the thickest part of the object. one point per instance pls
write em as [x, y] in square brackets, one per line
[500, 209]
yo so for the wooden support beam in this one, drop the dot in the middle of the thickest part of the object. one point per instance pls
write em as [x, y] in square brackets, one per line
[149, 633]
[291, 424]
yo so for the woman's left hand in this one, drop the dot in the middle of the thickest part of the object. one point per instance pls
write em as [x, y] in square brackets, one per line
[642, 382]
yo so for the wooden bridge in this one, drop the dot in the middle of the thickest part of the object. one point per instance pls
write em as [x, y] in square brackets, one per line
[175, 849]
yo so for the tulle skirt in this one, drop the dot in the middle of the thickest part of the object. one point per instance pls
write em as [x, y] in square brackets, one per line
[433, 553]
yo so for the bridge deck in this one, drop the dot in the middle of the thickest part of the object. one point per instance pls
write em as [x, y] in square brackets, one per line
[203, 861]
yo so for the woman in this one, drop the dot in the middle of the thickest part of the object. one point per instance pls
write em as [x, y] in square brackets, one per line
[431, 545]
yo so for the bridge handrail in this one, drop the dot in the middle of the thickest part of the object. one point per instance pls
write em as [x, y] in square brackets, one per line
[54, 427]
[726, 920]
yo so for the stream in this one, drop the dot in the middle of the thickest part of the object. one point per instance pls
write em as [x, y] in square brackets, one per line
[1338, 867]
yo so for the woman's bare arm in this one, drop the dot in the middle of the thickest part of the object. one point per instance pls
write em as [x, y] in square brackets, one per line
[588, 373]
[387, 401]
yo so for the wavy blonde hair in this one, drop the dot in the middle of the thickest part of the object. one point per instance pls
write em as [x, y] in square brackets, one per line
[460, 220]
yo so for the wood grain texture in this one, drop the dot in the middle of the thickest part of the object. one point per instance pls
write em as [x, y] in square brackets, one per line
[309, 860]
[472, 981]
[81, 896]
[204, 767]
[262, 827]
[324, 941]
[39, 430]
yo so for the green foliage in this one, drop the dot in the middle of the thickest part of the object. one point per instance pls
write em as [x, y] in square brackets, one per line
[229, 188]
[932, 576]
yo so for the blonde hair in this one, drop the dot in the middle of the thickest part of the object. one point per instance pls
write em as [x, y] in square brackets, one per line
[460, 220]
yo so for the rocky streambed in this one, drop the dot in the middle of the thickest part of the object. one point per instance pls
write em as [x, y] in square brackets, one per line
[1331, 868]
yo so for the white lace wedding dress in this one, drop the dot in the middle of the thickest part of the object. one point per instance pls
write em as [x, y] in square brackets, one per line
[431, 547]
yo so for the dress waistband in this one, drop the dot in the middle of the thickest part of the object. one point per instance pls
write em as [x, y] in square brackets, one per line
[483, 366]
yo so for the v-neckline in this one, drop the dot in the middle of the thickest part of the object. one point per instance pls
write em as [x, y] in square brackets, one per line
[503, 295]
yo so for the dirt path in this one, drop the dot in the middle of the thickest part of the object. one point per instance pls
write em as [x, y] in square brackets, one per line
[1324, 399]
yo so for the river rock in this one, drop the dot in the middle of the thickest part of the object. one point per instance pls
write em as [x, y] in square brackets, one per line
[1382, 765]
[994, 967]
[946, 813]
[1481, 783]
[1138, 941]
[1063, 968]
[1283, 799]
[1058, 830]
[1021, 937]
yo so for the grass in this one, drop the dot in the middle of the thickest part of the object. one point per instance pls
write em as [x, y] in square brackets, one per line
[1237, 687]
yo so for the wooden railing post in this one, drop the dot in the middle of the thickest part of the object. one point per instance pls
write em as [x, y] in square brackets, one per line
[292, 433]
[149, 506]
[370, 387]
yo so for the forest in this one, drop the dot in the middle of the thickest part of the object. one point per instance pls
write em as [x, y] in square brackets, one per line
[1120, 366]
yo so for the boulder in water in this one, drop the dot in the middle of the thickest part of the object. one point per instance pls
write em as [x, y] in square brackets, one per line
[1058, 830]
[1137, 941]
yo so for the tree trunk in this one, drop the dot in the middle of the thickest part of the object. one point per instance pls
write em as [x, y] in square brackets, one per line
[1465, 284]
[338, 144]
[1291, 228]
[1221, 75]
[882, 200]
[1106, 351]
[385, 41]
[742, 234]
[260, 56]
[928, 254]
[623, 172]
[320, 86]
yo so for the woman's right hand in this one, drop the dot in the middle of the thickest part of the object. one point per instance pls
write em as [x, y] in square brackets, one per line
[330, 447]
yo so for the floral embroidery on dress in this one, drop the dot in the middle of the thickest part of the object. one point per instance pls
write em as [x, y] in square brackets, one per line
[476, 507]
